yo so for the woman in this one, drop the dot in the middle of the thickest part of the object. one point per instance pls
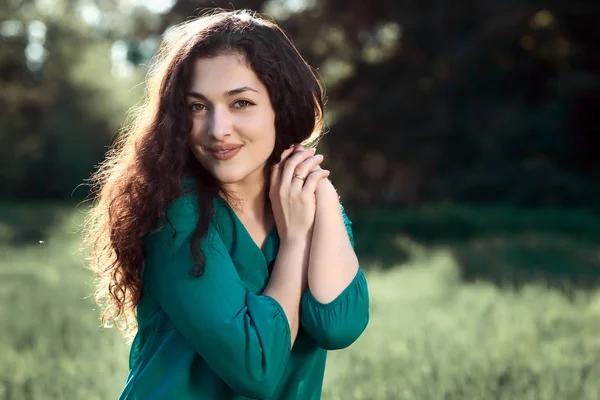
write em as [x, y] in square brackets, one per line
[216, 237]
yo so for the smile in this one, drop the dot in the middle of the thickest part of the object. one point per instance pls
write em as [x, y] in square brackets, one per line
[225, 153]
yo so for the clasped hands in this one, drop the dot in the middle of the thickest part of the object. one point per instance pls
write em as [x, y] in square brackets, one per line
[296, 182]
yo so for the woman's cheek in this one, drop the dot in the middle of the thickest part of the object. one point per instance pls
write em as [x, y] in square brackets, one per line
[196, 131]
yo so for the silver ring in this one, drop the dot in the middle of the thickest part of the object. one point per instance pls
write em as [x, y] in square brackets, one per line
[299, 177]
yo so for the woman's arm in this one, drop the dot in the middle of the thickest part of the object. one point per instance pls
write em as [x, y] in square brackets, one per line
[243, 337]
[333, 263]
[288, 281]
[335, 309]
[294, 205]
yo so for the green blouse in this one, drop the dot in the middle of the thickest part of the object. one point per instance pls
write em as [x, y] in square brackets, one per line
[215, 336]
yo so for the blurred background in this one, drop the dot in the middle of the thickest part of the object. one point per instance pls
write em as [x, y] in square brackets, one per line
[463, 140]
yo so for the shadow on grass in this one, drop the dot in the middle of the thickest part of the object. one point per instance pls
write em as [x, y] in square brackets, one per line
[28, 223]
[561, 262]
[381, 250]
[507, 247]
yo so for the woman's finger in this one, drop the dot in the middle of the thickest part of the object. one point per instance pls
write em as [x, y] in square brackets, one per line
[291, 164]
[308, 165]
[276, 169]
[301, 172]
[311, 182]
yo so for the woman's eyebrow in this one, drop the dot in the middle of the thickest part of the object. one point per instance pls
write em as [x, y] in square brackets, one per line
[240, 90]
[228, 93]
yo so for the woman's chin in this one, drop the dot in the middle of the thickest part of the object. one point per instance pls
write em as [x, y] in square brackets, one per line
[234, 174]
[230, 177]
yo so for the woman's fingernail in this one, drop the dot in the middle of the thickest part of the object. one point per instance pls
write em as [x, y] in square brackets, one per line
[319, 155]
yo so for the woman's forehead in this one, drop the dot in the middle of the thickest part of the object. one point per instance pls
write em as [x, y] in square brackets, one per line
[222, 74]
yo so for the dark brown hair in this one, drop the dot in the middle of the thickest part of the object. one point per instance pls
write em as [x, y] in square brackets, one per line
[144, 171]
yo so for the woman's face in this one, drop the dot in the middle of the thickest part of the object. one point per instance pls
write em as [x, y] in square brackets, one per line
[233, 130]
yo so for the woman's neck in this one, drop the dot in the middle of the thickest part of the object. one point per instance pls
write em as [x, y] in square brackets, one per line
[249, 197]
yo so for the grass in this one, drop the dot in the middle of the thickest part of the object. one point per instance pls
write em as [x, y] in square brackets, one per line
[432, 335]
[50, 340]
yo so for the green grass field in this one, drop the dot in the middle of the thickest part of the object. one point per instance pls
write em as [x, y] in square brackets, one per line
[431, 336]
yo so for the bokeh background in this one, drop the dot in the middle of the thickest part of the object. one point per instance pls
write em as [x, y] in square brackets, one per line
[463, 139]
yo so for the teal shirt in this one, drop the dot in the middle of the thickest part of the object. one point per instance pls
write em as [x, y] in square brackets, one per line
[215, 336]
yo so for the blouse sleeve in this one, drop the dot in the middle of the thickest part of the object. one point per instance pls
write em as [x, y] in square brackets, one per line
[243, 337]
[338, 324]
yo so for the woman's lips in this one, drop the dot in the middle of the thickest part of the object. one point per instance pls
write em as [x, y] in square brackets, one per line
[225, 153]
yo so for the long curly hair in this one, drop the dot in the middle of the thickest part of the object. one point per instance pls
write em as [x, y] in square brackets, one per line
[145, 169]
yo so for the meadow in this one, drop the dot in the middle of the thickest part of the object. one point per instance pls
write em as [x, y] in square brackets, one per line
[445, 324]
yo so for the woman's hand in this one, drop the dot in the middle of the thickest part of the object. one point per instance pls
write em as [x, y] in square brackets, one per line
[294, 181]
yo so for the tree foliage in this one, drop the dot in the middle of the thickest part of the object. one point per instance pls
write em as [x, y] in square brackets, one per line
[427, 101]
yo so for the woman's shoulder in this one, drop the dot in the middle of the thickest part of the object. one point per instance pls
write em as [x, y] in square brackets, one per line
[183, 213]
[183, 210]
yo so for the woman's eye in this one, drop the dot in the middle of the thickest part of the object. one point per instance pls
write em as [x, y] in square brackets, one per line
[243, 104]
[196, 107]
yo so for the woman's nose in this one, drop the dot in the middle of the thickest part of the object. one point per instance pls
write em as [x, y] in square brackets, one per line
[220, 124]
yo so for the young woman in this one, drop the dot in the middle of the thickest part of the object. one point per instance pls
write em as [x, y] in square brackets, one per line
[216, 237]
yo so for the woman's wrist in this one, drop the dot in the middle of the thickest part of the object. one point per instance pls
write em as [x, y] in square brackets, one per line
[292, 240]
[326, 196]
